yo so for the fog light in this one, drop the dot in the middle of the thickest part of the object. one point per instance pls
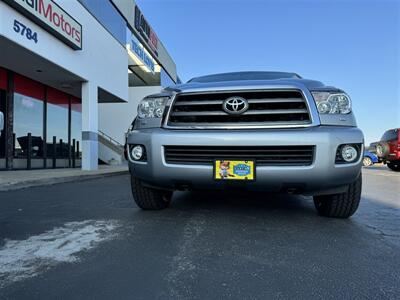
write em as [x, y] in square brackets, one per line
[349, 153]
[137, 152]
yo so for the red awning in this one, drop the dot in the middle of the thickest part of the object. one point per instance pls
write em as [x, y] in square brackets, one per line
[28, 87]
[3, 79]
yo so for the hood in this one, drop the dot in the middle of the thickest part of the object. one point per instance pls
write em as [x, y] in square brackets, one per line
[290, 83]
[248, 84]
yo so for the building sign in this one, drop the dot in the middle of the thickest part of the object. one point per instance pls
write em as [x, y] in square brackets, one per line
[137, 48]
[144, 29]
[53, 18]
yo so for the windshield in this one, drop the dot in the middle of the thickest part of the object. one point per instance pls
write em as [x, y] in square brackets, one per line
[244, 76]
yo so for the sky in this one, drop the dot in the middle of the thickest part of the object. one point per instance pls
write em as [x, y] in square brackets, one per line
[350, 44]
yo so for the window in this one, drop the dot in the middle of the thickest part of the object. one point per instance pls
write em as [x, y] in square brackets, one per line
[389, 135]
[105, 12]
[28, 116]
[57, 123]
[3, 88]
[3, 132]
[43, 113]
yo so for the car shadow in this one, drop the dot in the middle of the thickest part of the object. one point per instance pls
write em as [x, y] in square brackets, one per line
[242, 201]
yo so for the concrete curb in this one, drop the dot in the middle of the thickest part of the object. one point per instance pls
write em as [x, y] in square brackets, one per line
[57, 180]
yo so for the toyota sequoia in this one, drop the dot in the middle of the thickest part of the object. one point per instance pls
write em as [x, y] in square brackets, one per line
[261, 131]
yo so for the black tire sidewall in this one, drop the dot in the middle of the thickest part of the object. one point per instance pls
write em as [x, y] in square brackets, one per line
[394, 166]
[148, 198]
[340, 205]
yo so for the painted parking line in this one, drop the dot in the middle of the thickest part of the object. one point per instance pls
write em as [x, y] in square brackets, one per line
[28, 258]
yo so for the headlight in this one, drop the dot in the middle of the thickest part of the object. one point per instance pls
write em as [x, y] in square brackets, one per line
[152, 107]
[332, 103]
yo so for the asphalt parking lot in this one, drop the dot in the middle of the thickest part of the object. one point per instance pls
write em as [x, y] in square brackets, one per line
[89, 240]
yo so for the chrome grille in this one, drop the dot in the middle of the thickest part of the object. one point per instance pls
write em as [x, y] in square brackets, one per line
[266, 108]
[263, 155]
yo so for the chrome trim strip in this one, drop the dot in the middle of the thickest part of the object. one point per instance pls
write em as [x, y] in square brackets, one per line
[276, 100]
[199, 102]
[249, 112]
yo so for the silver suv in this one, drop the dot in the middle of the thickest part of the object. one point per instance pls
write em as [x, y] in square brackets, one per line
[263, 131]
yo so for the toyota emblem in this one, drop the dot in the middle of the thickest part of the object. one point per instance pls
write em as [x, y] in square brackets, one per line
[235, 105]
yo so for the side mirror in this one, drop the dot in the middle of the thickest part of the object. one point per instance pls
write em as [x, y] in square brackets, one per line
[1, 122]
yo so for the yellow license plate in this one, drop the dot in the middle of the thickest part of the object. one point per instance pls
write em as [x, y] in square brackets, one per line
[234, 170]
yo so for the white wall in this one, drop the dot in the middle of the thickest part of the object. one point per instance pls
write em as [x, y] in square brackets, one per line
[115, 118]
[102, 60]
[109, 156]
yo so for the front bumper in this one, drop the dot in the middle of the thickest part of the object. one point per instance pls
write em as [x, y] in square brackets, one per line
[322, 176]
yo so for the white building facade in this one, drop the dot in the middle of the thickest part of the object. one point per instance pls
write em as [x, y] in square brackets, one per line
[68, 74]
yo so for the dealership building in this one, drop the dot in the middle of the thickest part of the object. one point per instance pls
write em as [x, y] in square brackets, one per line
[71, 75]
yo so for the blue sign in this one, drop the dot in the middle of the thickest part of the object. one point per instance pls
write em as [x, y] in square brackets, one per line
[241, 170]
[138, 49]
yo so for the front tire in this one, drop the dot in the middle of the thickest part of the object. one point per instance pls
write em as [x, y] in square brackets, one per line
[395, 166]
[148, 198]
[340, 205]
[367, 161]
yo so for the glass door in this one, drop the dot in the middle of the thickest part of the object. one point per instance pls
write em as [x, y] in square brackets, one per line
[29, 99]
[3, 86]
[3, 132]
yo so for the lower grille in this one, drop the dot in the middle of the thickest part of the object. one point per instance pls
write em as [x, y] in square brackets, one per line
[263, 155]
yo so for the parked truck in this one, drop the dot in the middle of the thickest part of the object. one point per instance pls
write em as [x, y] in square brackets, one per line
[388, 149]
